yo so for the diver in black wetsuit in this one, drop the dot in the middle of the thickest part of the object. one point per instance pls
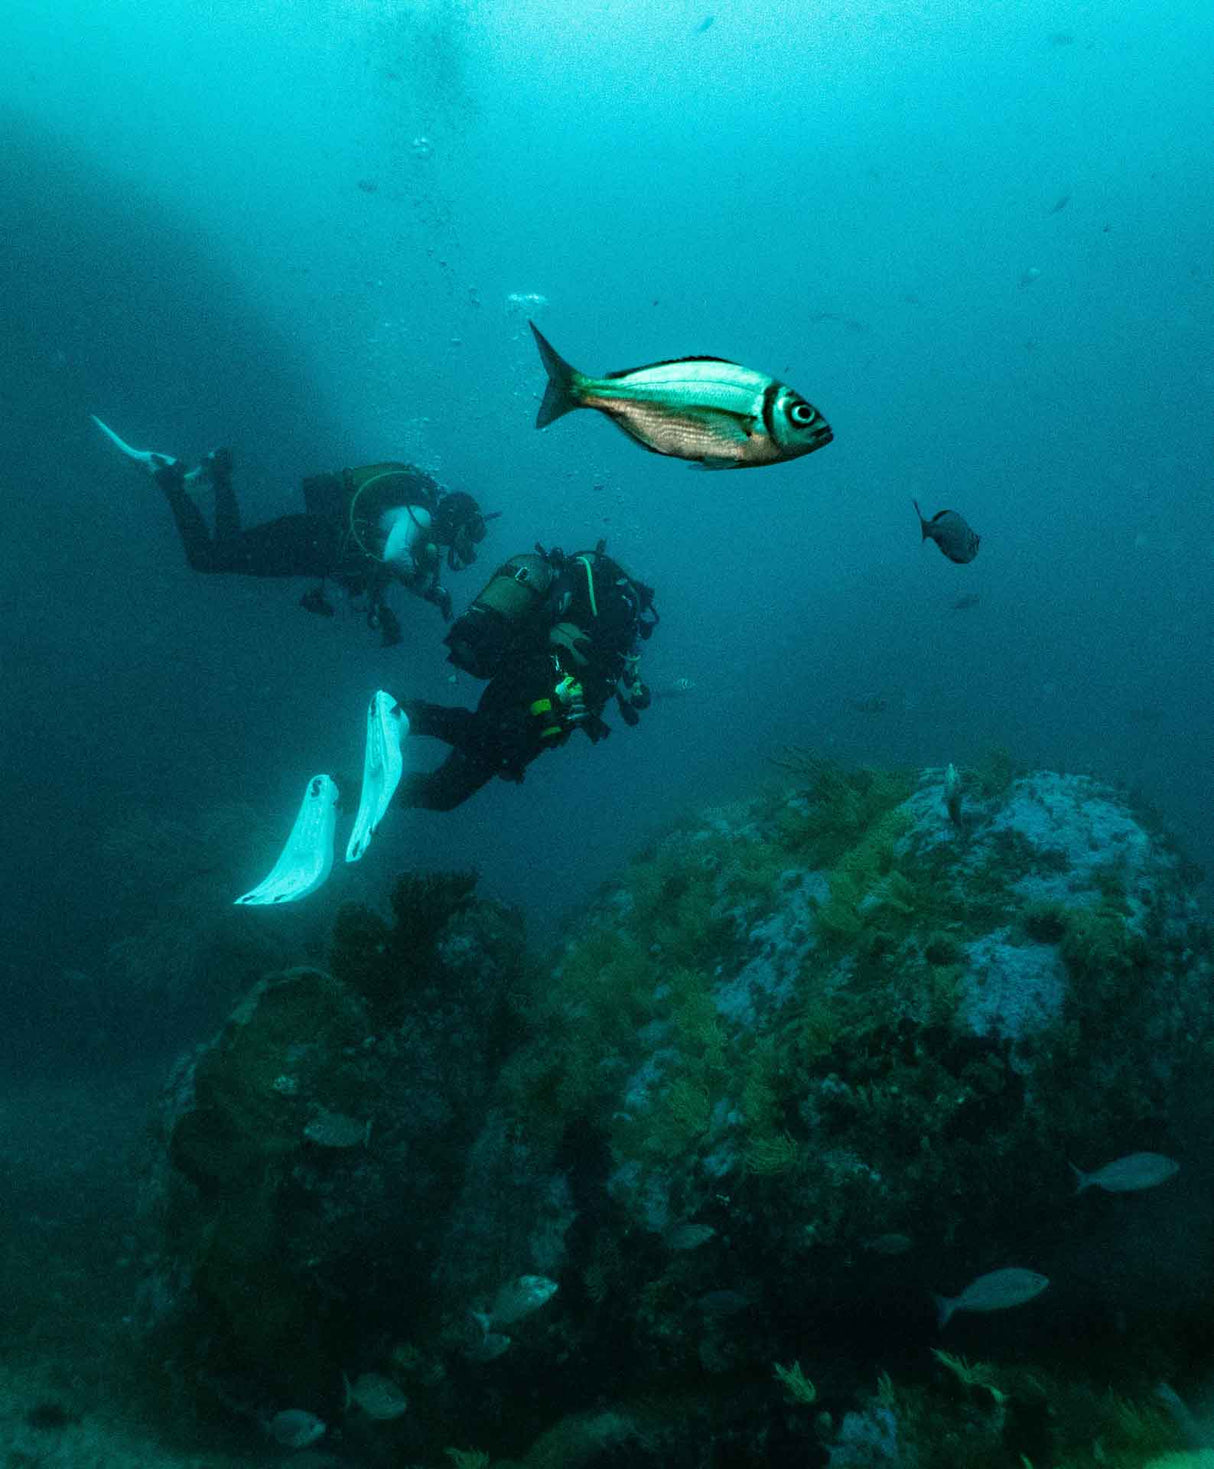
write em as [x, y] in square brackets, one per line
[363, 528]
[557, 636]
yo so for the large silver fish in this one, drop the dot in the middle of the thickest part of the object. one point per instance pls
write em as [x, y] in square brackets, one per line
[715, 413]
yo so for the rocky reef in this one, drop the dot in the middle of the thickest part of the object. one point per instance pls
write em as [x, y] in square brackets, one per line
[685, 1193]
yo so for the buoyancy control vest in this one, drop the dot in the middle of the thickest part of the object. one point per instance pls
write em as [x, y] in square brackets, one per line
[509, 610]
[585, 607]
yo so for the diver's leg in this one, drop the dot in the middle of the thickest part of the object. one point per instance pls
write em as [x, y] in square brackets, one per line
[196, 540]
[292, 545]
[454, 726]
[459, 776]
[218, 469]
[464, 770]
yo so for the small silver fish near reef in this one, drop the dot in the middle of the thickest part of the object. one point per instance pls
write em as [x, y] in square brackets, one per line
[1000, 1290]
[378, 1396]
[715, 413]
[952, 795]
[688, 1236]
[336, 1130]
[294, 1428]
[951, 532]
[1128, 1175]
[518, 1298]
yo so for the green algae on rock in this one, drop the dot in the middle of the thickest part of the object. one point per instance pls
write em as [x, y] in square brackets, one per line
[830, 1014]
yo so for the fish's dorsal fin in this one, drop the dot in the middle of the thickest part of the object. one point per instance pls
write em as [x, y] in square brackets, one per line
[668, 362]
[940, 514]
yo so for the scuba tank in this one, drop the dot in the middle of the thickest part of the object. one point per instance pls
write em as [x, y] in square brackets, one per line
[374, 491]
[514, 593]
[359, 499]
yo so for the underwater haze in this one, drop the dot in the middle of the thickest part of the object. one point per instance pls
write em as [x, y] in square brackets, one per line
[295, 230]
[977, 237]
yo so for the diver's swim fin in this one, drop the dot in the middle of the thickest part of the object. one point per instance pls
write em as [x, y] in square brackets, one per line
[387, 726]
[149, 458]
[307, 858]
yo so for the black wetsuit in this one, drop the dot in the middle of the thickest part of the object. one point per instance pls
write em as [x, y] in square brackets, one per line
[505, 732]
[499, 737]
[317, 543]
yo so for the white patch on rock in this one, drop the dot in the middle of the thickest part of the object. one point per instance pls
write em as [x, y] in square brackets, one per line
[1011, 991]
[783, 941]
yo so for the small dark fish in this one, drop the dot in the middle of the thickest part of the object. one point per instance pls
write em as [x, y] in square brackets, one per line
[850, 322]
[704, 24]
[875, 704]
[965, 601]
[951, 532]
[1060, 204]
[368, 186]
[1062, 38]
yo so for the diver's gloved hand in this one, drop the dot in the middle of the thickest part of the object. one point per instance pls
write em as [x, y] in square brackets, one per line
[381, 616]
[383, 762]
[307, 858]
[148, 458]
[571, 699]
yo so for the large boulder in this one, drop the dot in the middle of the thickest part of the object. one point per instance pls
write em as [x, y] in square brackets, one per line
[817, 1057]
[809, 1061]
[312, 1151]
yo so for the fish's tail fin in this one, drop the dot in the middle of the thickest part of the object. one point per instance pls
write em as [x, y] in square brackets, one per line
[944, 1309]
[1082, 1181]
[560, 396]
[922, 522]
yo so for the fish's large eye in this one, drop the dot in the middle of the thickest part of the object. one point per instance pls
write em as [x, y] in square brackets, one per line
[802, 413]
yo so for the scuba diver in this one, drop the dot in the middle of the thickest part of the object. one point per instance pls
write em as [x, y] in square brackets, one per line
[556, 637]
[364, 528]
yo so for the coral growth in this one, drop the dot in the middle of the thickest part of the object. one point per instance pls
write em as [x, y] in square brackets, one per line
[810, 1059]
